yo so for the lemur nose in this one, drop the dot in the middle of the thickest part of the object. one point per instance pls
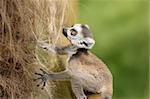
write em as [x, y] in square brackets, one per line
[65, 32]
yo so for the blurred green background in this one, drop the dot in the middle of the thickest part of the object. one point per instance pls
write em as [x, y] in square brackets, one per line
[120, 28]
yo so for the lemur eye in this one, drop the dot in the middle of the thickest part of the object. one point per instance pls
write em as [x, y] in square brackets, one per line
[73, 32]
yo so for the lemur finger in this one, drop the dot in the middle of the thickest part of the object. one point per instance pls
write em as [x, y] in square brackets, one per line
[44, 84]
[37, 78]
[43, 45]
[44, 72]
[38, 74]
[40, 83]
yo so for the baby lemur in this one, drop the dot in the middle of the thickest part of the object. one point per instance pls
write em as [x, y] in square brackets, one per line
[85, 71]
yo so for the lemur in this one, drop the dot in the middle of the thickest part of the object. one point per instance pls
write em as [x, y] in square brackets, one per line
[85, 71]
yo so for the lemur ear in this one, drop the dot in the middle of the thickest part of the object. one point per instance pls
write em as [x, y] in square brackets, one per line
[87, 26]
[89, 42]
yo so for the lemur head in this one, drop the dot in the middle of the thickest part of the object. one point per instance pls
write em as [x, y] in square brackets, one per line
[79, 35]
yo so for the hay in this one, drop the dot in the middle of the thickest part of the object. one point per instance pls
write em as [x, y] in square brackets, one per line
[22, 24]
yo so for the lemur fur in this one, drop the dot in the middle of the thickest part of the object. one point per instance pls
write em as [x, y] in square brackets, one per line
[85, 71]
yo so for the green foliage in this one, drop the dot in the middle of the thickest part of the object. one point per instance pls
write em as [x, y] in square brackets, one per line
[120, 28]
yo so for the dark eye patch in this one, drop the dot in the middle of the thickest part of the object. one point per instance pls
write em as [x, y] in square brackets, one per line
[73, 32]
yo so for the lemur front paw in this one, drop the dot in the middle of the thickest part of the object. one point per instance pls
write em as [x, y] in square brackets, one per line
[43, 77]
[43, 45]
[46, 47]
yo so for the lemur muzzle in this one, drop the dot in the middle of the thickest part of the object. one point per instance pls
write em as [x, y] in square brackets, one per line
[65, 32]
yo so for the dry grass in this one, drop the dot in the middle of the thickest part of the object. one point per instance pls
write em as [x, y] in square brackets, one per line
[22, 24]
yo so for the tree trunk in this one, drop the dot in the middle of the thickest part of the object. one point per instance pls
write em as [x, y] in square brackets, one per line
[22, 24]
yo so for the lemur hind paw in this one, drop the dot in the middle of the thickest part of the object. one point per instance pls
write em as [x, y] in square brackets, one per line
[43, 77]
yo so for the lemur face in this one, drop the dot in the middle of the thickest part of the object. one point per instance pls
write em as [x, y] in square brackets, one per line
[79, 35]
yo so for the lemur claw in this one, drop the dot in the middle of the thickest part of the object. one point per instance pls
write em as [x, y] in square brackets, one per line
[43, 77]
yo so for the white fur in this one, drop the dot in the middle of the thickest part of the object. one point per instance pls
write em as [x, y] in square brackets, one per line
[90, 42]
[79, 43]
[77, 27]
